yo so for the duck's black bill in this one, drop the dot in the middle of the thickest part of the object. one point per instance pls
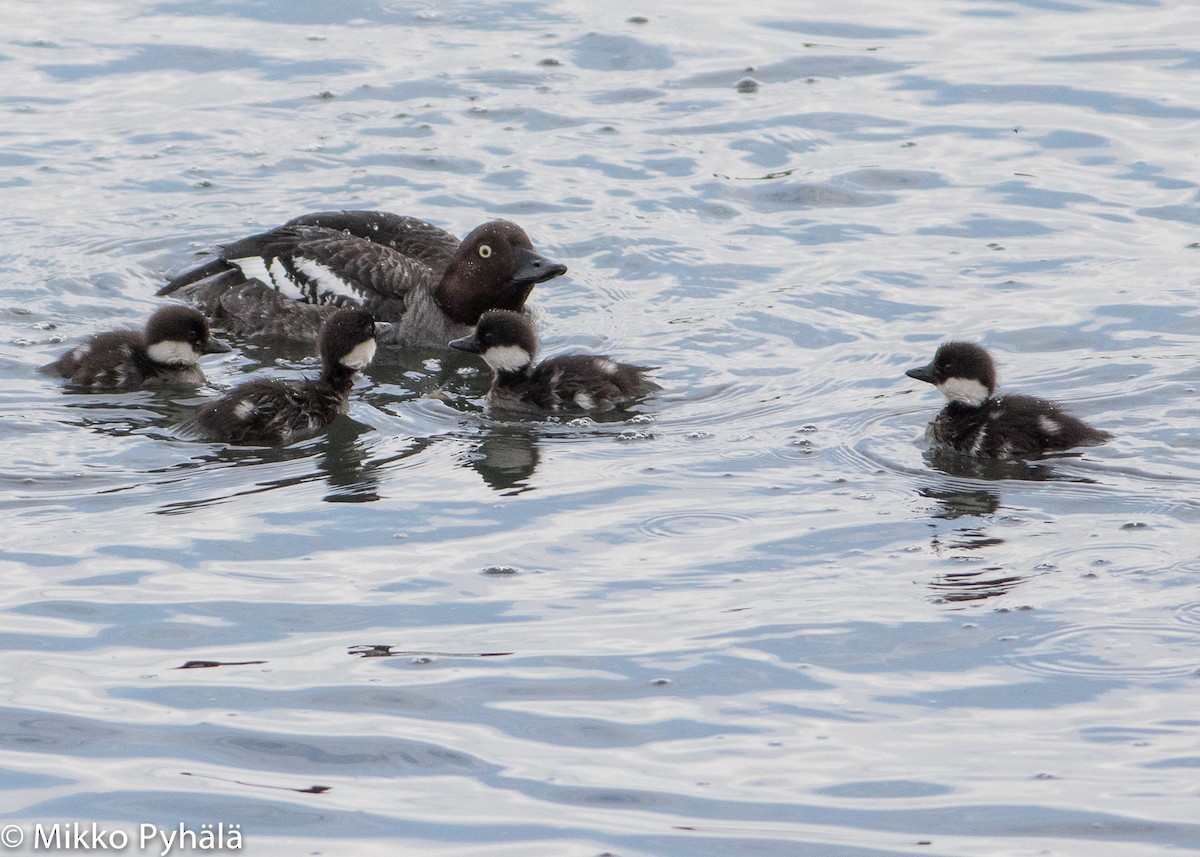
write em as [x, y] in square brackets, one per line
[533, 268]
[466, 343]
[922, 373]
[217, 346]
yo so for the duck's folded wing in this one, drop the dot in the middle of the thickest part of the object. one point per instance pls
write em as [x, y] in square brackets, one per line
[410, 236]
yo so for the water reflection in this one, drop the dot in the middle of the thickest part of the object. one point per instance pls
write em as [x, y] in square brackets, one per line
[345, 462]
[384, 651]
[995, 469]
[340, 456]
[958, 502]
[506, 457]
[958, 586]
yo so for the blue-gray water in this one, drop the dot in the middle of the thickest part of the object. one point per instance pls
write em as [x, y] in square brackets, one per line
[754, 617]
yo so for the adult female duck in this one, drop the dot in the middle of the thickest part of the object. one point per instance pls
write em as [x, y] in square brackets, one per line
[431, 286]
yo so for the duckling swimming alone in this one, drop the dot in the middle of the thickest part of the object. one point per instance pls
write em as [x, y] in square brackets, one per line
[267, 411]
[286, 281]
[976, 421]
[165, 353]
[570, 383]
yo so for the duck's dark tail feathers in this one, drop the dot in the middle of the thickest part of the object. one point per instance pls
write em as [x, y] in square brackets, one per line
[211, 268]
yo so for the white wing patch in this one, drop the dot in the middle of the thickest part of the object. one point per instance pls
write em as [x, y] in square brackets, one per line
[81, 352]
[507, 358]
[253, 268]
[328, 283]
[977, 444]
[584, 401]
[360, 355]
[967, 391]
[243, 409]
[173, 352]
[1048, 424]
[607, 366]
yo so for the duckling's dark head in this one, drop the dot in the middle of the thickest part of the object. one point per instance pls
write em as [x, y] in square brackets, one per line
[504, 339]
[177, 335]
[348, 338]
[962, 371]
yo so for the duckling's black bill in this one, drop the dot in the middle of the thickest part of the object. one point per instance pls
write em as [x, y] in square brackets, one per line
[922, 373]
[216, 346]
[468, 344]
[533, 268]
[382, 327]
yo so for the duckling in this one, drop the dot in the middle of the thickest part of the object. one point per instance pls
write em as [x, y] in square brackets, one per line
[569, 383]
[165, 353]
[267, 411]
[976, 421]
[286, 281]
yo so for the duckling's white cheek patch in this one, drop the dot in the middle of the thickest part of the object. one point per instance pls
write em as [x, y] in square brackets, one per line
[81, 352]
[968, 391]
[360, 355]
[1048, 424]
[173, 353]
[507, 358]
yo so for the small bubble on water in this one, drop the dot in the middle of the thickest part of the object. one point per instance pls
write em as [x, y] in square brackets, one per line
[699, 435]
[500, 570]
[641, 419]
[628, 436]
[747, 84]
[1135, 525]
[638, 19]
[551, 62]
[660, 682]
[422, 659]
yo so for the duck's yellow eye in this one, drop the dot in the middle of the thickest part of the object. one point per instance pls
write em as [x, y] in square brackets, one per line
[485, 250]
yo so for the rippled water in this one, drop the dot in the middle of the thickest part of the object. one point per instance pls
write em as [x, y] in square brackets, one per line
[753, 616]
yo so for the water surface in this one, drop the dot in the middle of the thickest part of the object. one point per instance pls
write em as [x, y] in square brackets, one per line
[753, 615]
